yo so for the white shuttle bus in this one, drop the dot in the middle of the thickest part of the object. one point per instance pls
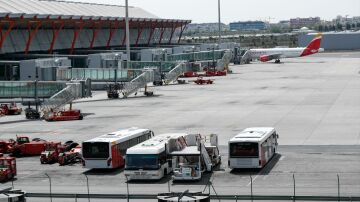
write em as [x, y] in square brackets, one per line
[108, 151]
[252, 148]
[150, 160]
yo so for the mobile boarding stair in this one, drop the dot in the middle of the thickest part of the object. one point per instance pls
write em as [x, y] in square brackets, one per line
[245, 59]
[139, 82]
[74, 90]
[223, 63]
[200, 155]
[174, 74]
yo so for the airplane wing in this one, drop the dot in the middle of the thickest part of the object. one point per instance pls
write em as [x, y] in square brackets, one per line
[265, 58]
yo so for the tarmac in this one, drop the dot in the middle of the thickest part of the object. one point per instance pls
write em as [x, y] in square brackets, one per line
[313, 102]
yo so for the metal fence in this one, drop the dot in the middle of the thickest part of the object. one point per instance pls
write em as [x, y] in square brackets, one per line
[236, 187]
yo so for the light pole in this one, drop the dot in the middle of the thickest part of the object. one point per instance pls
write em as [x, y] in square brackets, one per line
[50, 186]
[127, 31]
[219, 13]
[87, 185]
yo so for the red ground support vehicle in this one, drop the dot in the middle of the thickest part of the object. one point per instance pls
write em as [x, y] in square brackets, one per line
[190, 74]
[215, 73]
[6, 145]
[70, 157]
[7, 168]
[51, 153]
[65, 115]
[10, 109]
[25, 147]
[201, 81]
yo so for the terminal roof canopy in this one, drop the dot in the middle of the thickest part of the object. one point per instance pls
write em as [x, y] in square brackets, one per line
[65, 10]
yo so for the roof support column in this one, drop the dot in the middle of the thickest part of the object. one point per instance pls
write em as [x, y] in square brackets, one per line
[31, 33]
[96, 26]
[174, 26]
[113, 28]
[181, 32]
[78, 26]
[6, 34]
[124, 37]
[57, 26]
[153, 28]
[140, 30]
[162, 32]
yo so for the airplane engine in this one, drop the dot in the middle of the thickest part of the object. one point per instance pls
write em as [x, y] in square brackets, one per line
[265, 58]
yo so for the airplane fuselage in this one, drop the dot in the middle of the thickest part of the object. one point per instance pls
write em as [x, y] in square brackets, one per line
[282, 52]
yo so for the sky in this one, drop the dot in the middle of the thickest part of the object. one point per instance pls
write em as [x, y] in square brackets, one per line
[201, 11]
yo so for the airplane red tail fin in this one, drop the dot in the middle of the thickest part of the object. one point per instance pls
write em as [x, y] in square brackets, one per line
[313, 46]
[315, 43]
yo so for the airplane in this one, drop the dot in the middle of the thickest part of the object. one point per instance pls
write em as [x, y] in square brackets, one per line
[268, 54]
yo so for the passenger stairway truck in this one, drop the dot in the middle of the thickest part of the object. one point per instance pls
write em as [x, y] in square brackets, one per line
[174, 74]
[223, 63]
[151, 160]
[200, 155]
[139, 82]
[52, 108]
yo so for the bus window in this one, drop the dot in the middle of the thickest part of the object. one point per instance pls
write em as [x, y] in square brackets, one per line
[142, 161]
[244, 150]
[96, 150]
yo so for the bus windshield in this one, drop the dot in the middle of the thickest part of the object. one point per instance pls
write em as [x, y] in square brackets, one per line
[244, 150]
[98, 150]
[142, 161]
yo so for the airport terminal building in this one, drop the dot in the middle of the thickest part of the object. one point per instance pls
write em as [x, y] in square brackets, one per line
[47, 26]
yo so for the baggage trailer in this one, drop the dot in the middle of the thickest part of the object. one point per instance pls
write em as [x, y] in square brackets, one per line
[202, 81]
[7, 168]
[66, 115]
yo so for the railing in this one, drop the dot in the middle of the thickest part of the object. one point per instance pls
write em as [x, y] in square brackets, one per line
[73, 91]
[175, 73]
[212, 196]
[139, 82]
[223, 63]
[272, 187]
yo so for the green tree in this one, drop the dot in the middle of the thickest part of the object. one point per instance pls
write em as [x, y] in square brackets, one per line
[348, 26]
[326, 28]
[339, 27]
[320, 28]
